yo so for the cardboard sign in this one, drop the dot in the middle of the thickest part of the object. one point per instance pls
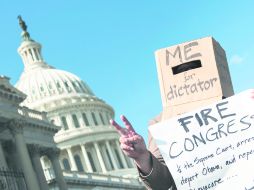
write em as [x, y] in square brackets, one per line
[211, 147]
[194, 73]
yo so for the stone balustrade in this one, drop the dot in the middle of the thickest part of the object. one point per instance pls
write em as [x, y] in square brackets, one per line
[95, 178]
[32, 113]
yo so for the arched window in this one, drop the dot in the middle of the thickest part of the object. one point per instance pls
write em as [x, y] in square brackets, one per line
[66, 164]
[26, 53]
[108, 118]
[75, 86]
[64, 123]
[49, 85]
[78, 163]
[41, 88]
[94, 119]
[67, 86]
[58, 85]
[35, 53]
[75, 121]
[102, 120]
[30, 52]
[85, 119]
[91, 161]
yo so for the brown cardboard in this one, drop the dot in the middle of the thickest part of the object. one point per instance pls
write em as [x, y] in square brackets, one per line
[208, 80]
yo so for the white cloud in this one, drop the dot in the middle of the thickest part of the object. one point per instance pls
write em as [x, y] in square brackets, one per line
[236, 59]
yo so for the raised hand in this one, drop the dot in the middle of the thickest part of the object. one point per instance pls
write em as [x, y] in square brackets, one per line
[132, 144]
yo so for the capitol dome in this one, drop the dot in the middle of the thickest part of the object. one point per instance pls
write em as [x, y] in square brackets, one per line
[44, 84]
[87, 141]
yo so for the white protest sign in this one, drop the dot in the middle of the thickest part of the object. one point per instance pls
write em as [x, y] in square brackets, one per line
[211, 147]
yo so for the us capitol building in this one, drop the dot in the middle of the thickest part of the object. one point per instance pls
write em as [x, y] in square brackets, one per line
[55, 133]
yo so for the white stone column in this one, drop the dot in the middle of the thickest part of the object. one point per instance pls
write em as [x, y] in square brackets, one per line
[87, 161]
[53, 156]
[97, 113]
[96, 117]
[120, 152]
[34, 56]
[29, 54]
[24, 57]
[58, 121]
[106, 158]
[103, 167]
[111, 155]
[70, 122]
[28, 58]
[80, 119]
[25, 53]
[72, 161]
[35, 153]
[89, 118]
[25, 161]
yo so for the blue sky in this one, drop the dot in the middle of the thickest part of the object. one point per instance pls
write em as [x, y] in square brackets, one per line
[110, 44]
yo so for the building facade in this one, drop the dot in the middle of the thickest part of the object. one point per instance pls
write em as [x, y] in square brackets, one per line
[25, 136]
